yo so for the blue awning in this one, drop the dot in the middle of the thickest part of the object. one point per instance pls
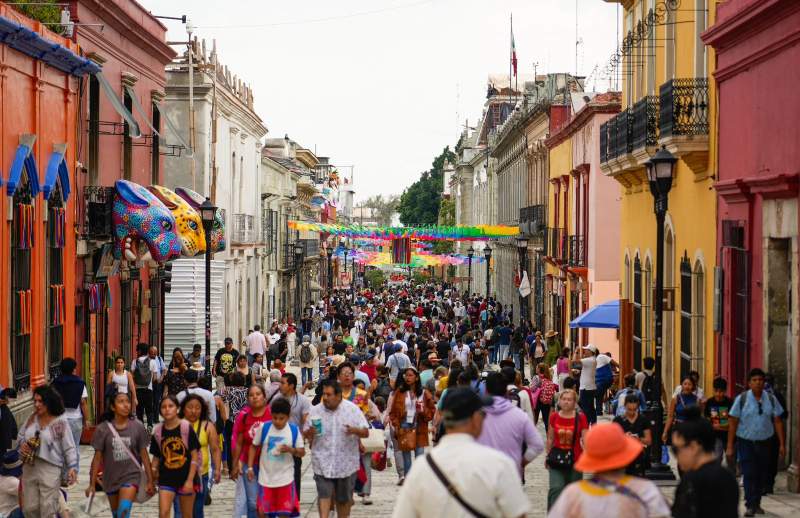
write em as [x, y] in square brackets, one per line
[24, 40]
[56, 170]
[605, 315]
[23, 158]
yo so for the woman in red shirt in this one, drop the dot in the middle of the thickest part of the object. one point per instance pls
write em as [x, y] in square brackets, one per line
[566, 433]
[256, 412]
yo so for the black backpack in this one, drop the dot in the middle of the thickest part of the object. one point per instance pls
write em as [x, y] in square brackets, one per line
[649, 388]
[305, 353]
[142, 375]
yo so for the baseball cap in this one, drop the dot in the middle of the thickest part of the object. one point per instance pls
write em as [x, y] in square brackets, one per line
[461, 402]
[591, 348]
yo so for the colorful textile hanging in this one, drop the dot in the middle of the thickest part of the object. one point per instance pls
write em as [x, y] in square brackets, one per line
[57, 304]
[57, 224]
[25, 239]
[432, 233]
[23, 314]
[96, 296]
[401, 250]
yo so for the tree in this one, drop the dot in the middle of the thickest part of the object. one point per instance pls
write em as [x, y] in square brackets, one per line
[447, 217]
[382, 208]
[420, 202]
[375, 278]
[45, 11]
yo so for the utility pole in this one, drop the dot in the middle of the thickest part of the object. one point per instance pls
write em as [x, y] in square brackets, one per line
[189, 30]
[214, 114]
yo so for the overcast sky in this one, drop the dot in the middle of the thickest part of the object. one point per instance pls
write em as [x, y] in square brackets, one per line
[384, 85]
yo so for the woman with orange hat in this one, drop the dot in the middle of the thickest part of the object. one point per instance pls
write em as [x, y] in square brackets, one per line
[610, 492]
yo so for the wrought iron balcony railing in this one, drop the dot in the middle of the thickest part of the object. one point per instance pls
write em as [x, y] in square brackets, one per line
[645, 122]
[556, 244]
[532, 220]
[624, 129]
[684, 107]
[244, 229]
[577, 251]
[604, 142]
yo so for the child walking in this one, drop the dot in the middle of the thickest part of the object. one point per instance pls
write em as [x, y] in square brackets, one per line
[280, 441]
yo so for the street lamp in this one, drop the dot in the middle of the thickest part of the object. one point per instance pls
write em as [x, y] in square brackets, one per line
[329, 253]
[522, 247]
[208, 213]
[346, 251]
[660, 172]
[470, 255]
[298, 263]
[487, 254]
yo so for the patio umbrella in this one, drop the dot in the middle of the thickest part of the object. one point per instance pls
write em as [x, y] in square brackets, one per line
[605, 315]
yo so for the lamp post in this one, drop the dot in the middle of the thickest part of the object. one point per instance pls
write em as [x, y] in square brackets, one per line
[208, 213]
[346, 252]
[660, 172]
[470, 255]
[487, 254]
[298, 262]
[329, 253]
[522, 247]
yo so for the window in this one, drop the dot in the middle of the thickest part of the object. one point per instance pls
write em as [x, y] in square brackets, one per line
[94, 131]
[651, 51]
[21, 296]
[637, 313]
[626, 279]
[155, 149]
[700, 23]
[647, 309]
[56, 297]
[698, 318]
[126, 303]
[686, 315]
[669, 44]
[127, 141]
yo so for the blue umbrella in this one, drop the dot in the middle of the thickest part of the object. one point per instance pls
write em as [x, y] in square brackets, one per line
[605, 315]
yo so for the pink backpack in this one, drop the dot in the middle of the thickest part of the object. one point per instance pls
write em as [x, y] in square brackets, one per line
[158, 431]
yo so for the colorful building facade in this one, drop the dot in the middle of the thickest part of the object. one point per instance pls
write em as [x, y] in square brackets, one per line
[666, 73]
[757, 188]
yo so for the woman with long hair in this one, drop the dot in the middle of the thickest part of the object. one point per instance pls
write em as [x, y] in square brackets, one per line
[176, 457]
[46, 449]
[120, 447]
[174, 381]
[122, 380]
[676, 413]
[256, 412]
[235, 396]
[410, 409]
[564, 444]
[194, 410]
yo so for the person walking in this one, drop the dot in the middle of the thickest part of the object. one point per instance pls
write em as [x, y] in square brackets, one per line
[158, 380]
[192, 377]
[678, 406]
[308, 358]
[256, 344]
[507, 428]
[635, 425]
[588, 389]
[176, 457]
[504, 333]
[75, 396]
[280, 443]
[459, 477]
[10, 473]
[225, 362]
[411, 408]
[562, 367]
[120, 448]
[536, 350]
[235, 396]
[754, 417]
[610, 492]
[716, 410]
[47, 448]
[122, 380]
[299, 408]
[397, 363]
[333, 430]
[256, 412]
[565, 438]
[174, 379]
[143, 370]
[706, 488]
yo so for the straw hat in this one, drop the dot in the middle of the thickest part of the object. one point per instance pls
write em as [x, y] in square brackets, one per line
[607, 448]
[338, 360]
[197, 366]
[550, 334]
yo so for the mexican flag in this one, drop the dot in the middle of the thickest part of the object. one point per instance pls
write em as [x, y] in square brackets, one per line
[513, 54]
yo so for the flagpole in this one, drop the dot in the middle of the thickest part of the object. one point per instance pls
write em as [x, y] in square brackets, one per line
[510, 58]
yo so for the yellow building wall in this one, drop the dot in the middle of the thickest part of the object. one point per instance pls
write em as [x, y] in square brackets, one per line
[692, 200]
[560, 163]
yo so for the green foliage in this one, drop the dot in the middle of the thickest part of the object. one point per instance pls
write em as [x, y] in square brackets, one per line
[420, 277]
[383, 208]
[42, 13]
[447, 217]
[419, 203]
[375, 278]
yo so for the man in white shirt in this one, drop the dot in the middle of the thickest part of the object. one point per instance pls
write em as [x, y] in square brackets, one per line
[397, 362]
[256, 343]
[144, 369]
[460, 352]
[484, 480]
[588, 387]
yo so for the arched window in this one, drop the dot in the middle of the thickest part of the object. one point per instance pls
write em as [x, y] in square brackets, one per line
[647, 309]
[626, 279]
[56, 298]
[686, 315]
[637, 313]
[22, 309]
[698, 319]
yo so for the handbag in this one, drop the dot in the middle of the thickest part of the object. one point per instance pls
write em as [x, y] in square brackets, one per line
[378, 460]
[406, 438]
[141, 494]
[559, 458]
[374, 441]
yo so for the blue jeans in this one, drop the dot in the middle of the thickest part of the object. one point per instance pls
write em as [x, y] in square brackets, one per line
[503, 352]
[586, 402]
[493, 355]
[407, 459]
[306, 374]
[754, 459]
[251, 491]
[602, 387]
[199, 501]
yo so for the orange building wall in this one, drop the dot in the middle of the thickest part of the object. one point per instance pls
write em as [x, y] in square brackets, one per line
[40, 100]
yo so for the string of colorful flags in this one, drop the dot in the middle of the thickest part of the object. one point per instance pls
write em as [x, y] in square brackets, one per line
[419, 259]
[429, 233]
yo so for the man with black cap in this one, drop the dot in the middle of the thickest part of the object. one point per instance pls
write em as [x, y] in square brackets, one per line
[461, 478]
[10, 473]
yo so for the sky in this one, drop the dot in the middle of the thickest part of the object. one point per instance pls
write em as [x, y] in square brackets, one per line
[385, 85]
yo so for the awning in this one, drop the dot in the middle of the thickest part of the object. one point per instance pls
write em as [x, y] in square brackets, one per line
[57, 170]
[174, 130]
[23, 158]
[138, 107]
[605, 315]
[118, 105]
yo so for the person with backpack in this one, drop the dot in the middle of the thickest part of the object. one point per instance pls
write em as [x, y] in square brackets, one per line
[564, 444]
[506, 427]
[176, 457]
[754, 417]
[308, 358]
[543, 396]
[281, 443]
[618, 405]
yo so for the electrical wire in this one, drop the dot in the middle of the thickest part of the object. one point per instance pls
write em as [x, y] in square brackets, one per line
[318, 20]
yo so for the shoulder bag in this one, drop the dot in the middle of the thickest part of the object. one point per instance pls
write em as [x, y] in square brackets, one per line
[451, 488]
[374, 441]
[560, 458]
[141, 494]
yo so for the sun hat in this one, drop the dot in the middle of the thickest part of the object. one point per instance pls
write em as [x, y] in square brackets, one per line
[607, 448]
[338, 360]
[12, 464]
[550, 334]
[197, 366]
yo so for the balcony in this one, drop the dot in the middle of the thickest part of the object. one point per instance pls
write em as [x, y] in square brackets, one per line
[577, 251]
[616, 143]
[645, 128]
[556, 244]
[243, 230]
[310, 250]
[532, 220]
[683, 121]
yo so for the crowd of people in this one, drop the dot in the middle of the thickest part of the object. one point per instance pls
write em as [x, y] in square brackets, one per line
[442, 385]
